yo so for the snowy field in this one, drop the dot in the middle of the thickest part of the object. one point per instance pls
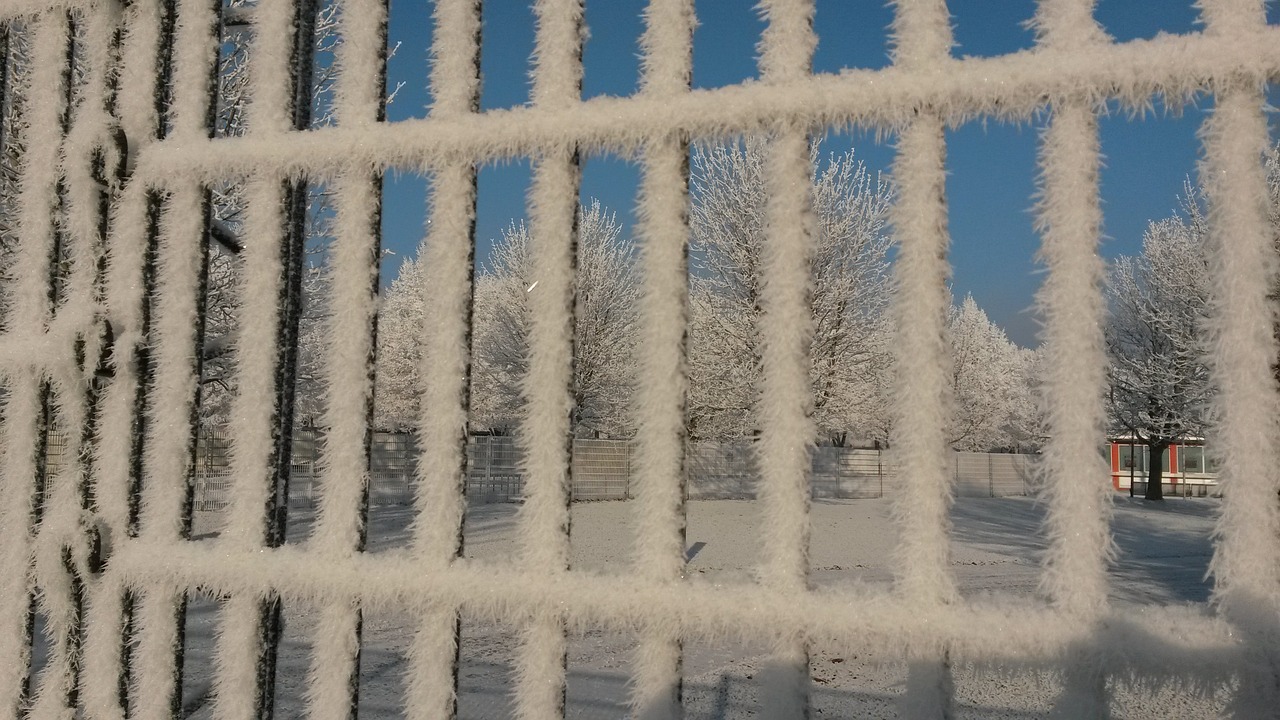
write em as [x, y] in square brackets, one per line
[1164, 551]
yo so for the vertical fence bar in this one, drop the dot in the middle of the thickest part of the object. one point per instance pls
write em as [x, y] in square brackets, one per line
[22, 434]
[1070, 220]
[109, 623]
[292, 256]
[922, 39]
[176, 341]
[445, 372]
[546, 433]
[261, 409]
[787, 433]
[1077, 480]
[663, 212]
[138, 698]
[57, 581]
[293, 249]
[1243, 348]
[340, 529]
[6, 106]
[65, 547]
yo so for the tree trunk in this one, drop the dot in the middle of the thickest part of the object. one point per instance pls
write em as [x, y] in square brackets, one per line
[1155, 471]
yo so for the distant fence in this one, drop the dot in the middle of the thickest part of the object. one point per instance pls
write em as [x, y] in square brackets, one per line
[991, 474]
[602, 470]
[723, 470]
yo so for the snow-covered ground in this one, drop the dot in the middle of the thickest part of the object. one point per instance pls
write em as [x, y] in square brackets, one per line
[1164, 550]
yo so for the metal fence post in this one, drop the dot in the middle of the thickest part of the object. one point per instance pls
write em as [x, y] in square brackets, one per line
[488, 464]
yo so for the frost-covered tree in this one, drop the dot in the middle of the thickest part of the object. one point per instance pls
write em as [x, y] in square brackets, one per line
[604, 332]
[604, 327]
[228, 203]
[1159, 382]
[400, 322]
[849, 290]
[1027, 428]
[990, 383]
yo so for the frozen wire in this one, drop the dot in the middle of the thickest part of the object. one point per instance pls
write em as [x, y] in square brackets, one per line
[1246, 406]
[1235, 54]
[252, 456]
[21, 9]
[786, 329]
[442, 461]
[663, 232]
[348, 369]
[61, 557]
[269, 112]
[127, 260]
[89, 133]
[1011, 87]
[348, 382]
[243, 621]
[1136, 645]
[1070, 219]
[179, 265]
[23, 426]
[448, 249]
[175, 342]
[922, 38]
[920, 221]
[545, 435]
[1077, 480]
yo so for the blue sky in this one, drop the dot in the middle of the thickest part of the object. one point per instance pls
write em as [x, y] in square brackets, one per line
[991, 166]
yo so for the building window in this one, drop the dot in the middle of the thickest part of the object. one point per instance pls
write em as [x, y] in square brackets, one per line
[1137, 458]
[1191, 460]
[1133, 457]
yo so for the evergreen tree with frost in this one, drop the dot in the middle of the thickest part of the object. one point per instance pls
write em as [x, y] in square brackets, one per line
[1159, 382]
[991, 384]
[849, 276]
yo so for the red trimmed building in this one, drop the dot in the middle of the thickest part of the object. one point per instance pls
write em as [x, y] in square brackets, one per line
[1188, 471]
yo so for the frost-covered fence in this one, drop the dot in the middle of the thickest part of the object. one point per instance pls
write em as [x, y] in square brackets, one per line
[104, 338]
[392, 459]
[601, 470]
[731, 470]
[604, 470]
[993, 474]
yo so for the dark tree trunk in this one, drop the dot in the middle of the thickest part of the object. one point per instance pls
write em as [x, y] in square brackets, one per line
[1155, 471]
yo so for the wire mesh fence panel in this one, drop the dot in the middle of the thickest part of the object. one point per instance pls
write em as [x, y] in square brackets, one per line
[493, 469]
[847, 473]
[105, 340]
[392, 461]
[992, 474]
[1012, 474]
[303, 461]
[722, 470]
[601, 469]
